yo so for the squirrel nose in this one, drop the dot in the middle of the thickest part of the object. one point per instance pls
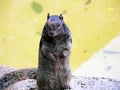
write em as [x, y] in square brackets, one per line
[51, 33]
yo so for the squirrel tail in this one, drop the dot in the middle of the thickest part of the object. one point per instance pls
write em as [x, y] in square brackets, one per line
[18, 75]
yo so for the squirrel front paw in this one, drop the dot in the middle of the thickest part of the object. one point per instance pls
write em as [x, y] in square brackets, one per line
[65, 53]
[51, 57]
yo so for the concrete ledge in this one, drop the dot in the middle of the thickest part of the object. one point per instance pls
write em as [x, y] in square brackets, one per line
[77, 82]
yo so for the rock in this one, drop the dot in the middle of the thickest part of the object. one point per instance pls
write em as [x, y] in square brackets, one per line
[77, 83]
[29, 84]
[94, 83]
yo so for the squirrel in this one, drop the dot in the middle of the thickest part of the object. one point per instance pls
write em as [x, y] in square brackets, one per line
[53, 72]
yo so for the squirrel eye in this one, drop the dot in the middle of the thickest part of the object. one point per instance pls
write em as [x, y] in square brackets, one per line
[58, 25]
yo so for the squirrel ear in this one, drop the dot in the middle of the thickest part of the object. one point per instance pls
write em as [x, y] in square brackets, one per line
[48, 15]
[61, 17]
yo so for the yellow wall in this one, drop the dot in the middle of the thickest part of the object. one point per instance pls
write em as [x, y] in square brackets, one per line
[92, 23]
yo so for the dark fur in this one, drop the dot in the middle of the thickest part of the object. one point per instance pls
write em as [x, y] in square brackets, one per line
[54, 52]
[15, 76]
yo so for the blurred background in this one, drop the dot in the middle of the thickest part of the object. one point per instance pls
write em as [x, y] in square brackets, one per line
[93, 23]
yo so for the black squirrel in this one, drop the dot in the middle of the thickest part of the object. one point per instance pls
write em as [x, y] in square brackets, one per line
[53, 71]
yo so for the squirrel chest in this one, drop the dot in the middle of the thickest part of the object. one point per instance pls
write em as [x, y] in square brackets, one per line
[57, 47]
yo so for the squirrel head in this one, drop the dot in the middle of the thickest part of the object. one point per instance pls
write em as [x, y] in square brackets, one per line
[54, 25]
